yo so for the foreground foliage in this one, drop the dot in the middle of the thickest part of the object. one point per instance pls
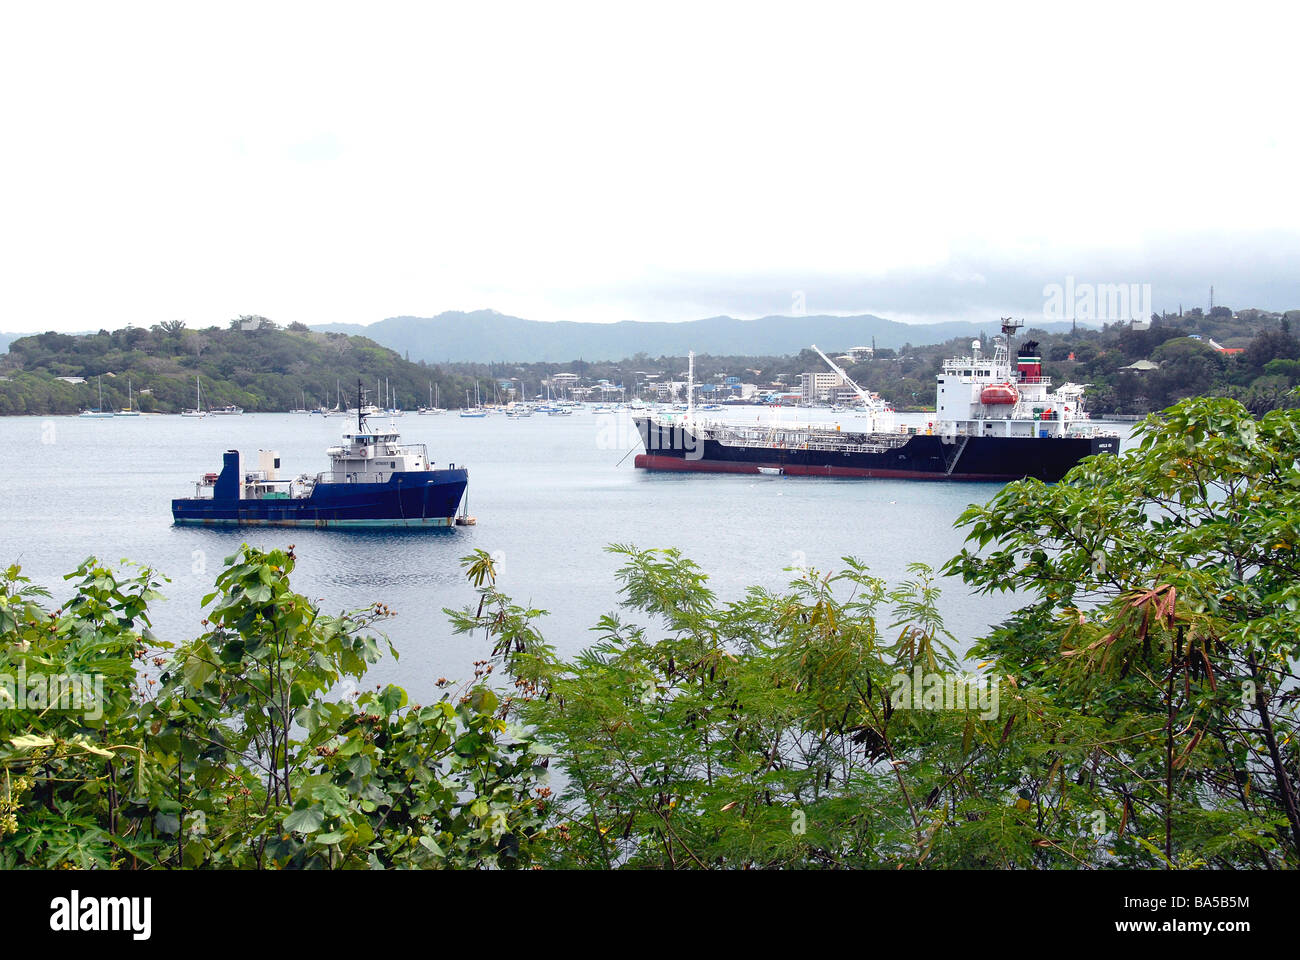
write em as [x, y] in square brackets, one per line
[250, 746]
[1138, 710]
[1166, 608]
[1147, 708]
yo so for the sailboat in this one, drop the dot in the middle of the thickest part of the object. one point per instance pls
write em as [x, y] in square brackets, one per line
[198, 403]
[340, 408]
[129, 410]
[302, 409]
[556, 408]
[476, 410]
[432, 409]
[390, 401]
[98, 413]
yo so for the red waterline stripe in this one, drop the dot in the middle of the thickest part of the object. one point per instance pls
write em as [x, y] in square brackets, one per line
[647, 461]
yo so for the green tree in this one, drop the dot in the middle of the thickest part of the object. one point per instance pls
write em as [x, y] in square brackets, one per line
[247, 747]
[1165, 589]
[761, 733]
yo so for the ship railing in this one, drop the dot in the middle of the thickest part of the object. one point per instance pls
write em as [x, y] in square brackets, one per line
[354, 476]
[984, 362]
[794, 440]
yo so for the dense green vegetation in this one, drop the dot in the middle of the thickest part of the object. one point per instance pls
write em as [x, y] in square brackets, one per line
[1260, 376]
[1139, 710]
[259, 366]
[253, 363]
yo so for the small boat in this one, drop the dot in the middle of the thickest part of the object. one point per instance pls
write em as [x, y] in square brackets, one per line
[432, 410]
[1000, 394]
[129, 410]
[475, 412]
[97, 413]
[389, 407]
[198, 403]
[230, 410]
[770, 471]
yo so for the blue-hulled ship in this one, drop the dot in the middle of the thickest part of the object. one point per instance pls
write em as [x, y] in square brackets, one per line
[374, 480]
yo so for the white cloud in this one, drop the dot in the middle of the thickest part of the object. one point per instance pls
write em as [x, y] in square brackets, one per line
[327, 162]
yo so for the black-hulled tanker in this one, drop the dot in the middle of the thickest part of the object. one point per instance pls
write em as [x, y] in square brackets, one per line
[992, 422]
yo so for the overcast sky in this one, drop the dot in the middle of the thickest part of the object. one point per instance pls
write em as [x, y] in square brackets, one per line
[331, 162]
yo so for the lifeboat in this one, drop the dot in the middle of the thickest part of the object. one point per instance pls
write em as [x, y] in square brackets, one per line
[999, 393]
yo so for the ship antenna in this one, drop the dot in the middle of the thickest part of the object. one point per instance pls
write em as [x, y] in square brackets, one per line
[360, 416]
[690, 388]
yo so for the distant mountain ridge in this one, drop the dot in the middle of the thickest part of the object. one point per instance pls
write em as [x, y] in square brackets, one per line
[483, 336]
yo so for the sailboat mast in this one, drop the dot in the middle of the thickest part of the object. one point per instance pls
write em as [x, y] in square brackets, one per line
[690, 388]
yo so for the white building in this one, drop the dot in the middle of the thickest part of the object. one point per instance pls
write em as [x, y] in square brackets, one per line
[814, 386]
[857, 355]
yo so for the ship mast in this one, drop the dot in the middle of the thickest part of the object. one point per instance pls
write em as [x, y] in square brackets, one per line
[1009, 329]
[690, 388]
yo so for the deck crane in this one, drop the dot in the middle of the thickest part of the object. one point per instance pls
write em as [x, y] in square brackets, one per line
[881, 414]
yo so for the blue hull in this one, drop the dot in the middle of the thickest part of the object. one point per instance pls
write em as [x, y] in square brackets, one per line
[429, 498]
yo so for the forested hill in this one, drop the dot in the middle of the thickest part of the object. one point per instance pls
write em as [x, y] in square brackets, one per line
[253, 363]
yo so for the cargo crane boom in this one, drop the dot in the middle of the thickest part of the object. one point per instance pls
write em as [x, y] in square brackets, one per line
[878, 409]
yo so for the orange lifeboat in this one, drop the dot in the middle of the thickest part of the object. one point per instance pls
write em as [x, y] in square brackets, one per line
[996, 393]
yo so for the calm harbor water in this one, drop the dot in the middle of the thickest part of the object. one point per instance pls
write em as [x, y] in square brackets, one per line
[549, 494]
